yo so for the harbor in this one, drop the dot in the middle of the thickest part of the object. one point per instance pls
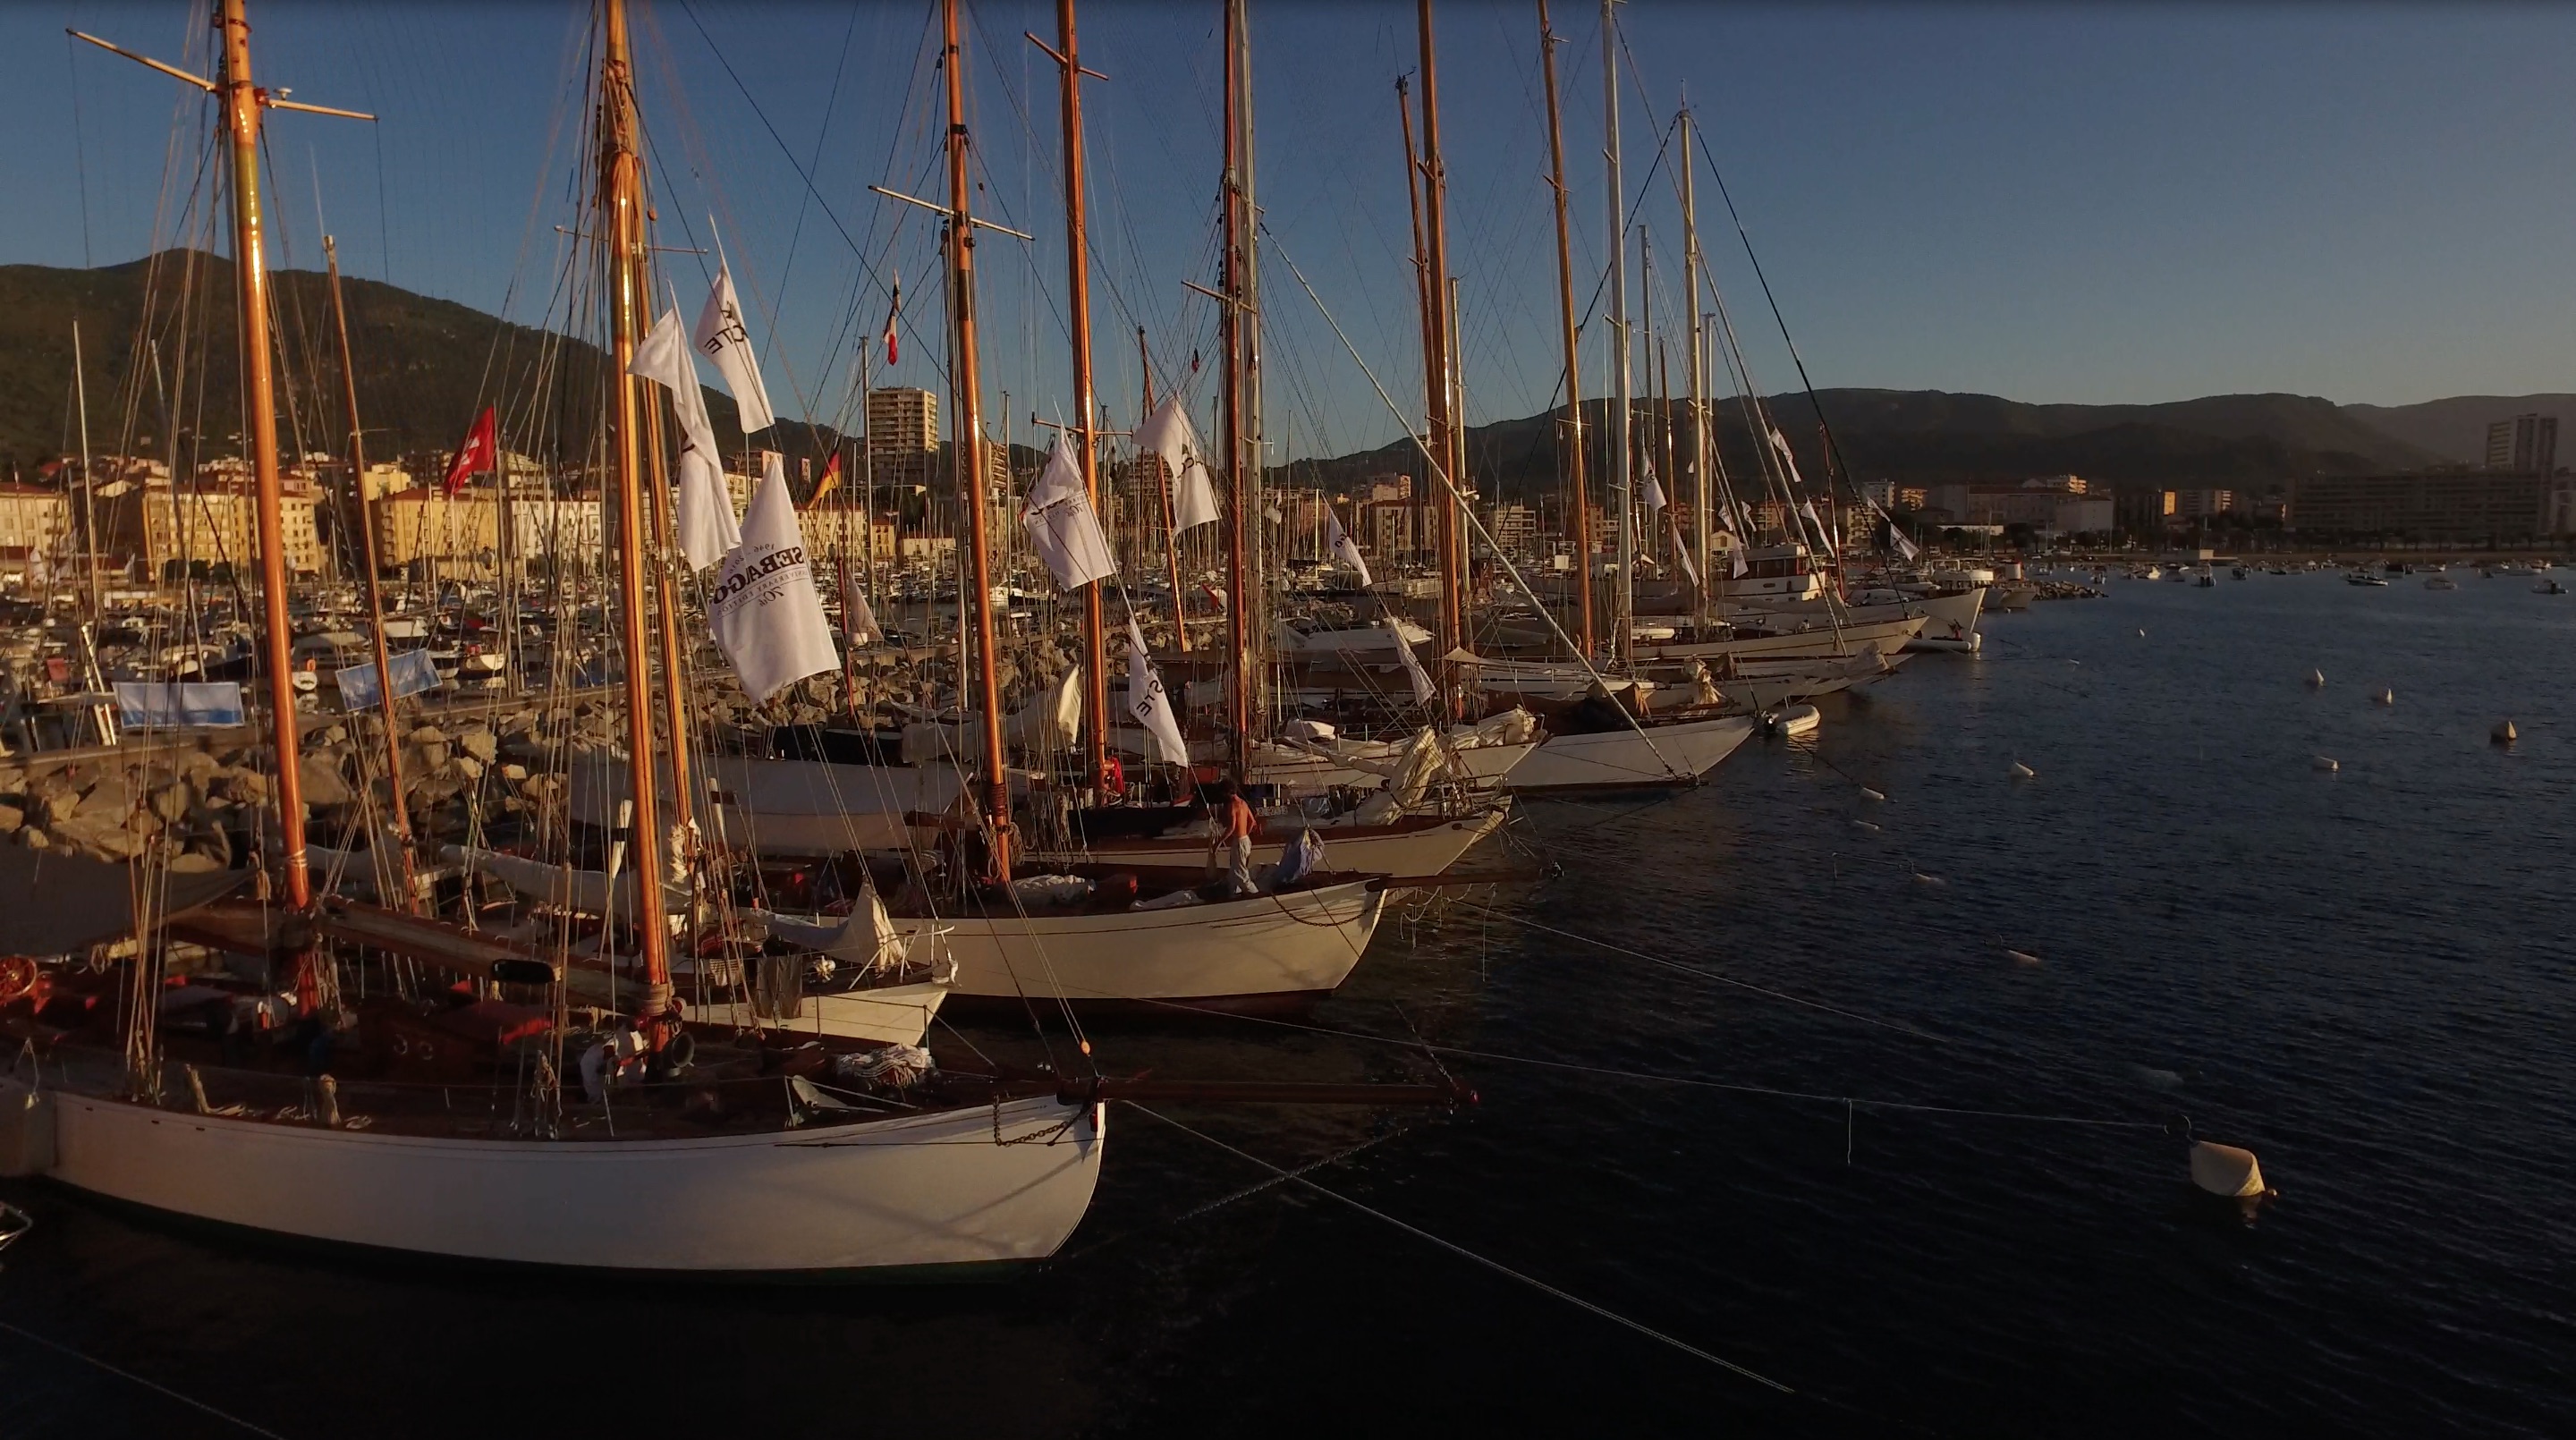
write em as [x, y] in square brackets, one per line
[1118, 911]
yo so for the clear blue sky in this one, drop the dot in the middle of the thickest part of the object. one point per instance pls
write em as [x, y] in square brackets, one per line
[2052, 204]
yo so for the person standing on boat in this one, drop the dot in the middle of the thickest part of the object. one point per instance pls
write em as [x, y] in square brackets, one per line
[1231, 849]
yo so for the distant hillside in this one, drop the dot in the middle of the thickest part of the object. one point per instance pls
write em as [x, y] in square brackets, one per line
[1931, 437]
[2456, 428]
[426, 367]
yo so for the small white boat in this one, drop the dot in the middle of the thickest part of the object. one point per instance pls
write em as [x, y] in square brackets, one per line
[1795, 720]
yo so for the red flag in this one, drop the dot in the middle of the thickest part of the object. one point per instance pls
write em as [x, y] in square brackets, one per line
[478, 453]
[892, 311]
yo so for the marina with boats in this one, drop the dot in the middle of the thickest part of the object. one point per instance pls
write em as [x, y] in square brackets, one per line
[738, 877]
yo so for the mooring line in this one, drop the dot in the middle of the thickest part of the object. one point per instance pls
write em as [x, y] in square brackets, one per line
[1496, 1266]
[186, 1400]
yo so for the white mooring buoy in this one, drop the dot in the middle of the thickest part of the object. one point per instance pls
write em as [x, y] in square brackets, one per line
[2504, 733]
[2327, 763]
[1934, 880]
[2227, 1170]
[2022, 957]
[2316, 679]
[1867, 793]
[2385, 696]
[2023, 772]
[1865, 825]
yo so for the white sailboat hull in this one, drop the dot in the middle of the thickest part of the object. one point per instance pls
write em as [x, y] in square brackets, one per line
[912, 1193]
[1884, 635]
[1265, 949]
[1404, 848]
[1671, 754]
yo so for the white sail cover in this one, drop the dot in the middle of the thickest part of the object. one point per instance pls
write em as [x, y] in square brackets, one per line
[565, 888]
[764, 610]
[721, 337]
[865, 937]
[1423, 689]
[1167, 433]
[1147, 705]
[1062, 526]
[1344, 548]
[707, 531]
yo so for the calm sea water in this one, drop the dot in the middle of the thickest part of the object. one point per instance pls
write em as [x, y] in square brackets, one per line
[2368, 977]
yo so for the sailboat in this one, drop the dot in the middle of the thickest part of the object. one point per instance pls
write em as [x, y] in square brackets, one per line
[724, 1166]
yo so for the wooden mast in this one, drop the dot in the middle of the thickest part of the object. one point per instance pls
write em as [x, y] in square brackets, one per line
[242, 103]
[1702, 458]
[1238, 477]
[1622, 472]
[967, 444]
[621, 206]
[661, 548]
[1171, 514]
[1449, 439]
[1580, 503]
[1420, 504]
[1095, 680]
[367, 561]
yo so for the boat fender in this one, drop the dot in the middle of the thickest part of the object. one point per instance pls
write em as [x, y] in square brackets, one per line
[26, 1129]
[2023, 772]
[2503, 733]
[1865, 825]
[2227, 1170]
[1867, 793]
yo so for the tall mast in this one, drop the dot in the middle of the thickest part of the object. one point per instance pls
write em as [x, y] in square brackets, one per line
[658, 552]
[1623, 605]
[1095, 681]
[367, 561]
[1420, 504]
[242, 102]
[89, 482]
[1447, 439]
[967, 444]
[1701, 458]
[1580, 503]
[1238, 474]
[621, 206]
[1171, 514]
[1256, 433]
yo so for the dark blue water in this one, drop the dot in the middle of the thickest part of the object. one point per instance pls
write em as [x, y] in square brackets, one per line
[2364, 976]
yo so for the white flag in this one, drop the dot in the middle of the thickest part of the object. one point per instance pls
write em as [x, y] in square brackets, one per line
[1343, 549]
[721, 337]
[1654, 494]
[707, 532]
[1735, 553]
[763, 609]
[1681, 552]
[1062, 526]
[1823, 535]
[1147, 705]
[858, 618]
[1422, 687]
[1780, 443]
[1167, 433]
[1193, 499]
[1905, 546]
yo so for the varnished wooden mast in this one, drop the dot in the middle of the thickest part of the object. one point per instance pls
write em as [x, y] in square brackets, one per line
[1703, 456]
[1171, 514]
[1448, 438]
[1622, 420]
[1420, 504]
[621, 215]
[242, 103]
[1239, 516]
[967, 444]
[367, 562]
[1580, 504]
[1095, 678]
